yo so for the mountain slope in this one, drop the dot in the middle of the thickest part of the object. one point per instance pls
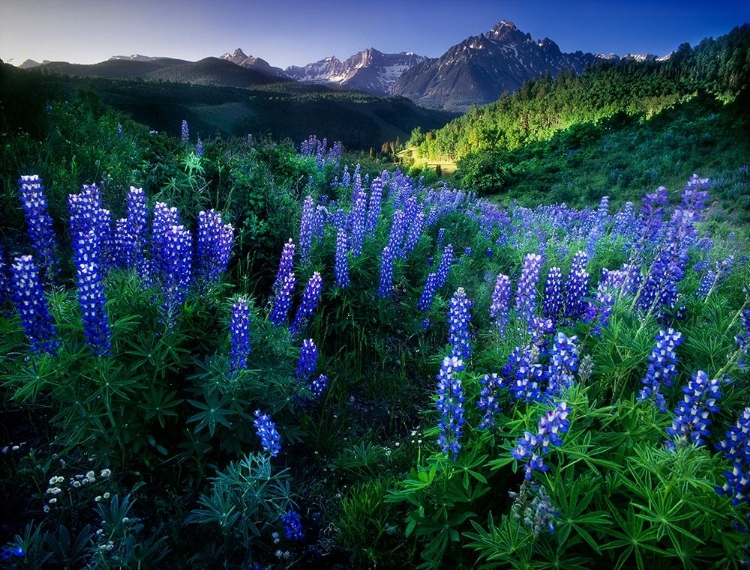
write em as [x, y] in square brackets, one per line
[481, 68]
[208, 71]
[370, 70]
[255, 63]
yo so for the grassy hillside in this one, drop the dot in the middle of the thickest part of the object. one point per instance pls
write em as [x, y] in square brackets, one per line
[626, 156]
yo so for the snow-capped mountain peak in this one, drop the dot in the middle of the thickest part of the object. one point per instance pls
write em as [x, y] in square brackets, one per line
[369, 70]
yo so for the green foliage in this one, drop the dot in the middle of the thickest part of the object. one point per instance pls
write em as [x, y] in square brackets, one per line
[245, 498]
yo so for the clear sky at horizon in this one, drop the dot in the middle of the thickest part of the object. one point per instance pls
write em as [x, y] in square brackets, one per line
[297, 32]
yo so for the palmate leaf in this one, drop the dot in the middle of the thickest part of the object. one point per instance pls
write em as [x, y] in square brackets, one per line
[507, 542]
[573, 495]
[630, 537]
[159, 404]
[212, 412]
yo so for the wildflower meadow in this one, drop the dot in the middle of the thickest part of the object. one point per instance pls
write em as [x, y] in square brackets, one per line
[252, 354]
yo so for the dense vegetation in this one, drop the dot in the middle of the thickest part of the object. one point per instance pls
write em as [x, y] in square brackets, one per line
[597, 130]
[277, 110]
[312, 362]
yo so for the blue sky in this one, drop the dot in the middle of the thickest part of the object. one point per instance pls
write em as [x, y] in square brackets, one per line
[302, 31]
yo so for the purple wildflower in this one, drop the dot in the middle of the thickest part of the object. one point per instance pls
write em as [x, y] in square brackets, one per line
[310, 298]
[283, 301]
[459, 318]
[292, 526]
[32, 306]
[39, 222]
[318, 386]
[341, 267]
[308, 358]
[91, 293]
[526, 293]
[444, 266]
[269, 437]
[563, 362]
[500, 302]
[691, 420]
[239, 335]
[489, 400]
[428, 293]
[286, 265]
[306, 230]
[214, 246]
[450, 405]
[532, 447]
[553, 299]
[662, 367]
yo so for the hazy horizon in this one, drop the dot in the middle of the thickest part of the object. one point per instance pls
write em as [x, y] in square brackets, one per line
[297, 33]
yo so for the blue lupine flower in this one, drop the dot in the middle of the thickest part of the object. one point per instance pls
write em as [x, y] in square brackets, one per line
[176, 250]
[130, 233]
[91, 293]
[199, 149]
[532, 447]
[524, 374]
[184, 132]
[398, 229]
[12, 551]
[444, 266]
[309, 303]
[563, 362]
[440, 236]
[415, 232]
[214, 246]
[86, 214]
[308, 359]
[736, 448]
[450, 405]
[119, 131]
[500, 302]
[553, 299]
[489, 401]
[526, 293]
[286, 265]
[32, 306]
[283, 301]
[341, 267]
[662, 367]
[599, 311]
[386, 272]
[576, 286]
[374, 205]
[539, 513]
[346, 179]
[239, 335]
[164, 218]
[292, 526]
[306, 227]
[691, 420]
[357, 221]
[652, 212]
[459, 318]
[428, 293]
[319, 385]
[269, 437]
[39, 223]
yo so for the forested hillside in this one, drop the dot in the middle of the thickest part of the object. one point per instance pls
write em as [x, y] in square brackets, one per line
[542, 107]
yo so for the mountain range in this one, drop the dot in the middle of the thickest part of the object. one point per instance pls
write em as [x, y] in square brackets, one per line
[474, 72]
